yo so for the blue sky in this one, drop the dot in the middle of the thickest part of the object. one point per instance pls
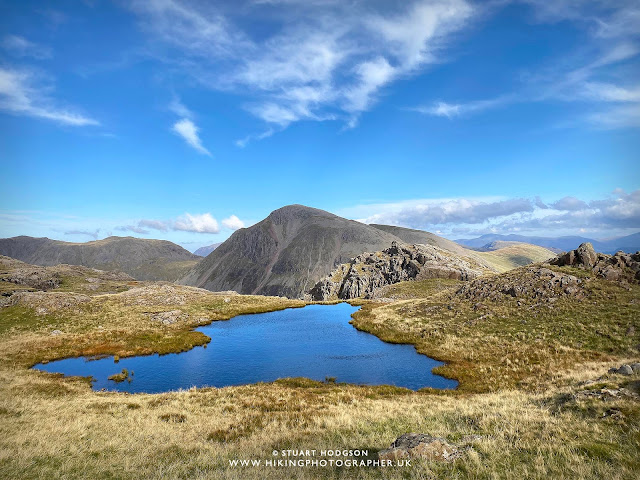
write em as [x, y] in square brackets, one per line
[185, 120]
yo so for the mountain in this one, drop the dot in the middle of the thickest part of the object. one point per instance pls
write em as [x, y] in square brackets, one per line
[141, 258]
[204, 251]
[629, 243]
[288, 252]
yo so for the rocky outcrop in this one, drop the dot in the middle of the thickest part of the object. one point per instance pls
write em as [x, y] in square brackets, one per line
[35, 277]
[45, 302]
[534, 283]
[617, 267]
[421, 445]
[369, 272]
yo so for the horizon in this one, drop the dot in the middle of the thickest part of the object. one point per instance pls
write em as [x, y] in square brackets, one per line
[456, 117]
[192, 249]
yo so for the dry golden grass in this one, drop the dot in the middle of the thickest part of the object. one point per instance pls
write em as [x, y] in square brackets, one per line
[514, 407]
[514, 256]
[54, 427]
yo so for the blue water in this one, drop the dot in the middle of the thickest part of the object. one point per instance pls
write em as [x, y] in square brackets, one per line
[316, 341]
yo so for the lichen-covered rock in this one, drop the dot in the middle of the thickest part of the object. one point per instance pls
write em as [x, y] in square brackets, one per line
[533, 283]
[45, 302]
[162, 294]
[618, 267]
[420, 445]
[39, 278]
[167, 318]
[369, 272]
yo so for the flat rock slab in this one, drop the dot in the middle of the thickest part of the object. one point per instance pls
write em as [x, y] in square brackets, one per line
[420, 445]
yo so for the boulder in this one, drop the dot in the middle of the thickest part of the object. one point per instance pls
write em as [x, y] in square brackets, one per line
[619, 267]
[625, 370]
[420, 445]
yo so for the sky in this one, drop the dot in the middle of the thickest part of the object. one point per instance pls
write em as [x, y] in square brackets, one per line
[186, 120]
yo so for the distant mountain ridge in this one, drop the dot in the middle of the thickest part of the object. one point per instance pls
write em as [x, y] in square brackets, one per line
[629, 243]
[143, 259]
[206, 250]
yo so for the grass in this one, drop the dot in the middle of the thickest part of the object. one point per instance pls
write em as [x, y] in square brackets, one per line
[520, 367]
[511, 342]
[514, 256]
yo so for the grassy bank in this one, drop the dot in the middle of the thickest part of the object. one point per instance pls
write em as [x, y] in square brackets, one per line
[519, 407]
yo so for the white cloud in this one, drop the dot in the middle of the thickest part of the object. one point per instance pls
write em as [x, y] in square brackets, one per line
[424, 213]
[197, 223]
[20, 95]
[619, 212]
[233, 223]
[202, 223]
[591, 75]
[611, 93]
[153, 224]
[569, 203]
[326, 60]
[21, 47]
[189, 132]
[132, 228]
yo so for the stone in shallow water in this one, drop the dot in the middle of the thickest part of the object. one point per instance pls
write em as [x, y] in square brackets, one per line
[420, 445]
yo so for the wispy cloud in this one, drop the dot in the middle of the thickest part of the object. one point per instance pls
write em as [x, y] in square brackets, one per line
[132, 228]
[189, 132]
[597, 75]
[21, 47]
[22, 94]
[95, 234]
[177, 107]
[452, 110]
[328, 60]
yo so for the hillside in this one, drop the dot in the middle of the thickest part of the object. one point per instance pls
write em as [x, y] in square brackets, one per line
[505, 256]
[288, 252]
[629, 243]
[141, 258]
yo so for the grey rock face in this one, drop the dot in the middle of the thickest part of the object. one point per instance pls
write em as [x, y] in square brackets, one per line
[368, 272]
[617, 267]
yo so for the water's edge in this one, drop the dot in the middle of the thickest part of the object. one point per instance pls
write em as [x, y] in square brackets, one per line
[450, 384]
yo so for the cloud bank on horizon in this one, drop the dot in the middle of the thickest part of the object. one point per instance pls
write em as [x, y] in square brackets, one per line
[477, 216]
